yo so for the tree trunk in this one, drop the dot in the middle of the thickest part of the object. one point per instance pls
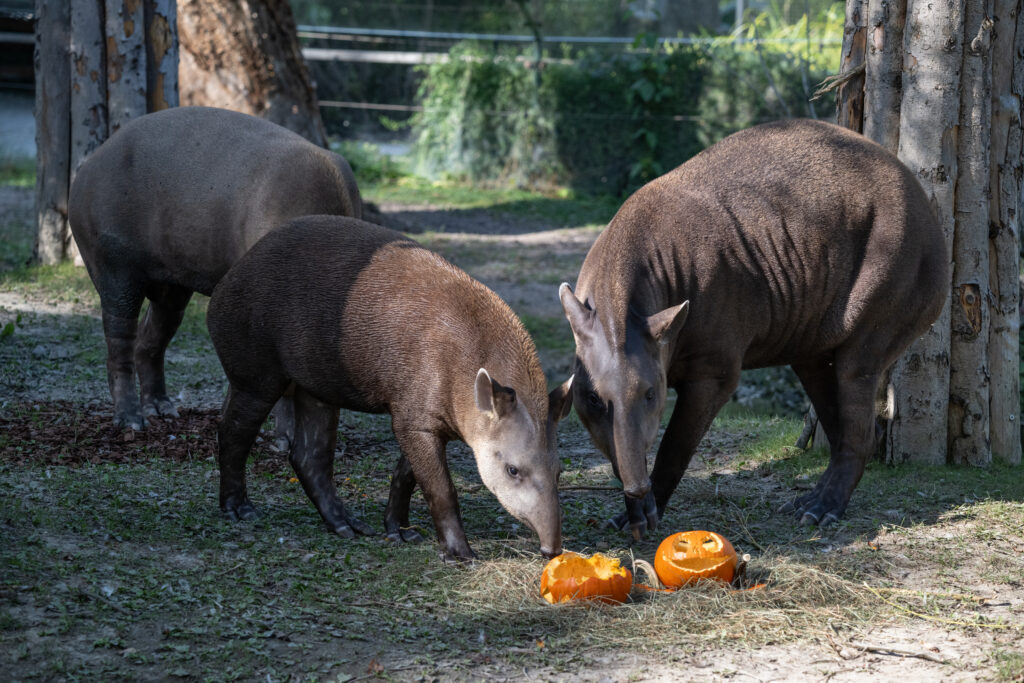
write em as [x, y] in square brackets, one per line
[883, 78]
[1004, 216]
[929, 119]
[244, 55]
[850, 98]
[126, 62]
[99, 64]
[161, 54]
[53, 131]
[968, 427]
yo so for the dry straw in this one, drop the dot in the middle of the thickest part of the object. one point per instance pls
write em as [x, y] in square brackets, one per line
[798, 600]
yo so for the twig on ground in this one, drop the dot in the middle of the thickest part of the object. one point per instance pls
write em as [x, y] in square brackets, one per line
[940, 620]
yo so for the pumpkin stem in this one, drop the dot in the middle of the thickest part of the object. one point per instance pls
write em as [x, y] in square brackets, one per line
[651, 576]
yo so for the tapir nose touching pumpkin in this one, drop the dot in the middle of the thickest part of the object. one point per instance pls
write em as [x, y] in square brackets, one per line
[794, 242]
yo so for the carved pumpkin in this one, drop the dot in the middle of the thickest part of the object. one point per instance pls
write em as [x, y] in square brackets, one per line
[688, 556]
[570, 576]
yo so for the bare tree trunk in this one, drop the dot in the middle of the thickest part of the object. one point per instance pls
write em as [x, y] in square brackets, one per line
[53, 131]
[929, 119]
[244, 55]
[1004, 219]
[91, 78]
[850, 98]
[883, 79]
[968, 427]
[161, 54]
[126, 62]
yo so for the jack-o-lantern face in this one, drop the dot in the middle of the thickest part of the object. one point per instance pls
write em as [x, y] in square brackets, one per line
[571, 576]
[689, 556]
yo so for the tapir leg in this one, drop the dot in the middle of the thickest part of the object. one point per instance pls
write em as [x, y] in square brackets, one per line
[396, 514]
[240, 423]
[121, 300]
[852, 437]
[161, 321]
[697, 403]
[425, 452]
[312, 457]
[818, 378]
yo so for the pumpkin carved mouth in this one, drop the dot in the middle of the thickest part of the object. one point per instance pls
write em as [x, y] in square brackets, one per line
[570, 576]
[689, 556]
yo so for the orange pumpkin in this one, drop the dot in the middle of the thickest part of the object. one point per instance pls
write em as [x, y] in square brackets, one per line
[570, 576]
[688, 556]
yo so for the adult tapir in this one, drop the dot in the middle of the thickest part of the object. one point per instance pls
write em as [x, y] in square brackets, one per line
[352, 315]
[795, 242]
[163, 209]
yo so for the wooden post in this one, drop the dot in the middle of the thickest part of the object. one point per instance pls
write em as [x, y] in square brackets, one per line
[1005, 209]
[850, 97]
[161, 54]
[968, 426]
[53, 111]
[929, 121]
[126, 61]
[883, 78]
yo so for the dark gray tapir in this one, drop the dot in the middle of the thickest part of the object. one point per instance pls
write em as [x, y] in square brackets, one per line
[351, 315]
[795, 242]
[163, 209]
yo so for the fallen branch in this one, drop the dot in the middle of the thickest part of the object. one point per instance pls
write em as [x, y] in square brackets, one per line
[940, 620]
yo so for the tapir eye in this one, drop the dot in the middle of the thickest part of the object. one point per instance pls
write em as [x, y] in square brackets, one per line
[650, 394]
[594, 400]
[512, 470]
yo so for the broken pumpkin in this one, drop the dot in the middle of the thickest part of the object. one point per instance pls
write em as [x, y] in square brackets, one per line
[689, 556]
[570, 576]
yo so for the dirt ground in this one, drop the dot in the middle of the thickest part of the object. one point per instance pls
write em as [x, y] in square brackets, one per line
[916, 540]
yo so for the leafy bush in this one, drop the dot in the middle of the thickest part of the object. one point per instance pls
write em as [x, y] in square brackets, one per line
[610, 122]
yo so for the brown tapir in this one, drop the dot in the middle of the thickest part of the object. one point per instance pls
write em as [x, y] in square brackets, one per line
[166, 205]
[352, 315]
[795, 242]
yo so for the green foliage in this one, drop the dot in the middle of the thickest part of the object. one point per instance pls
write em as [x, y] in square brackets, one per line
[369, 164]
[17, 171]
[609, 122]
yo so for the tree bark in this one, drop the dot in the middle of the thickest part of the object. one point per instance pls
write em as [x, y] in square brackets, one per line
[53, 131]
[126, 62]
[929, 119]
[883, 78]
[244, 55]
[1004, 216]
[850, 97]
[161, 54]
[968, 426]
[88, 82]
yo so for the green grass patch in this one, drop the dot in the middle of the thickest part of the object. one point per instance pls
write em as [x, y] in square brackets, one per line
[553, 334]
[17, 171]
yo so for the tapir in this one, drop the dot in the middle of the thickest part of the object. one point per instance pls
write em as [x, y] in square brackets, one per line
[166, 205]
[795, 242]
[347, 314]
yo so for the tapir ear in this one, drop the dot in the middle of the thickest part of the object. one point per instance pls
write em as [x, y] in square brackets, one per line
[664, 326]
[579, 316]
[560, 400]
[492, 397]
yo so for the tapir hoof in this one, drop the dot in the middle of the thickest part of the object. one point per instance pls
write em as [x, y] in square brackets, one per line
[405, 535]
[159, 407]
[350, 527]
[814, 508]
[461, 557]
[242, 511]
[130, 419]
[641, 516]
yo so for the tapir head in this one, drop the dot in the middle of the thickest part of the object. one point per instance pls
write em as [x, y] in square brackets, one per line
[516, 453]
[619, 385]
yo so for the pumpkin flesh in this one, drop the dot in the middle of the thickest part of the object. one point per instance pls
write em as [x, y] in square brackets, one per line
[689, 556]
[570, 576]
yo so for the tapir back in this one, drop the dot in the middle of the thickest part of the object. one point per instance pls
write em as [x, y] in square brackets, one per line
[785, 238]
[181, 194]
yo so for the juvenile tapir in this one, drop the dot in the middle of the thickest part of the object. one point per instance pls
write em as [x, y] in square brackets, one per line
[163, 209]
[351, 315]
[795, 242]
